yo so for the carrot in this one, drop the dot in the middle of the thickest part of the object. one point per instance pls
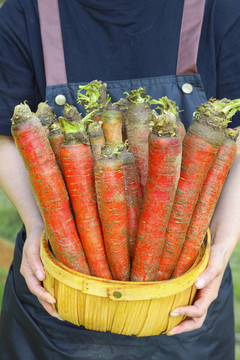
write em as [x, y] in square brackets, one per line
[133, 196]
[97, 115]
[51, 125]
[206, 203]
[201, 143]
[112, 128]
[112, 207]
[78, 167]
[49, 188]
[181, 129]
[138, 118]
[56, 139]
[123, 106]
[165, 149]
[96, 138]
[112, 124]
[46, 115]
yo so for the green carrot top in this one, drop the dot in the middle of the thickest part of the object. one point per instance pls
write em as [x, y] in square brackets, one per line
[138, 96]
[95, 96]
[74, 132]
[217, 113]
[113, 151]
[165, 123]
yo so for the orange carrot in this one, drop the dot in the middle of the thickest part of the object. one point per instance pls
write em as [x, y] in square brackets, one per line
[97, 115]
[49, 188]
[56, 139]
[206, 203]
[123, 106]
[96, 138]
[138, 118]
[181, 129]
[201, 143]
[165, 149]
[112, 206]
[78, 170]
[51, 125]
[112, 124]
[133, 196]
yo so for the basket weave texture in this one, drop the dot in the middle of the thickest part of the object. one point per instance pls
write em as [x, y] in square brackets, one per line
[127, 308]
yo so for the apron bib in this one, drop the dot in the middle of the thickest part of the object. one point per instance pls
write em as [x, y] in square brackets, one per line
[31, 333]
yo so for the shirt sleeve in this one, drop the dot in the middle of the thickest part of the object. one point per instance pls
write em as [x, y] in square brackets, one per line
[17, 73]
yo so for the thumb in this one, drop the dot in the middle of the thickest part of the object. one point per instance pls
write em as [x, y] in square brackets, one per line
[31, 256]
[36, 263]
[207, 276]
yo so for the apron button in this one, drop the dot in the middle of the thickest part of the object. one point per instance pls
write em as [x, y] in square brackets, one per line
[60, 99]
[187, 88]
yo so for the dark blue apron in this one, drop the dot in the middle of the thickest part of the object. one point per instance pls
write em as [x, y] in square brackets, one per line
[27, 332]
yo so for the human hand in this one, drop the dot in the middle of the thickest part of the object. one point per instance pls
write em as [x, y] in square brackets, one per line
[208, 284]
[33, 271]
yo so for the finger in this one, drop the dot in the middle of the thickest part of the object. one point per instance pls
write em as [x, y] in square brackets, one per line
[49, 308]
[32, 254]
[201, 304]
[206, 277]
[197, 310]
[216, 267]
[36, 288]
[187, 325]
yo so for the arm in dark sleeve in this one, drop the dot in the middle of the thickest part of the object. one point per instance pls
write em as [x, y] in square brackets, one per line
[20, 48]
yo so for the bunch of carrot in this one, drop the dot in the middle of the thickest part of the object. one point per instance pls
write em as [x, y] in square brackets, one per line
[126, 210]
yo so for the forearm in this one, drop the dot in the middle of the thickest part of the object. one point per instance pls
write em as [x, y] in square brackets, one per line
[225, 224]
[14, 182]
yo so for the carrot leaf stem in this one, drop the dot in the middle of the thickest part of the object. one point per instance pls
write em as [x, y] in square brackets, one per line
[110, 151]
[165, 122]
[95, 95]
[165, 105]
[138, 96]
[218, 112]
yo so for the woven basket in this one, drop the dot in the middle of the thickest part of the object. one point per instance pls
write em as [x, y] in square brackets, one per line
[127, 308]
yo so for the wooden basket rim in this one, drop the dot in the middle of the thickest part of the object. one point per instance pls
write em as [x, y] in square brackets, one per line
[122, 290]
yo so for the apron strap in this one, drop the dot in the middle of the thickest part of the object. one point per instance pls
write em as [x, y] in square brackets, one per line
[52, 43]
[191, 27]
